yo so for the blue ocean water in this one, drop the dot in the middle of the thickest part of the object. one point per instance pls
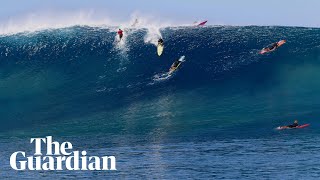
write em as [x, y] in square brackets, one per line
[212, 119]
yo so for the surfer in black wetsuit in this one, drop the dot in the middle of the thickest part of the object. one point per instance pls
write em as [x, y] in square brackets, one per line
[272, 47]
[160, 42]
[295, 124]
[174, 66]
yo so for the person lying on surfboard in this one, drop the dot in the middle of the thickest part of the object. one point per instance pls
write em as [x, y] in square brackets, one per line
[294, 125]
[174, 66]
[120, 33]
[272, 47]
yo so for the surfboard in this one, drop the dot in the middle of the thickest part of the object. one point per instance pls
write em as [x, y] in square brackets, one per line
[160, 49]
[266, 50]
[202, 23]
[298, 127]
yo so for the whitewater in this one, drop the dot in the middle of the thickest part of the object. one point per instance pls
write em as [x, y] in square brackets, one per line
[220, 107]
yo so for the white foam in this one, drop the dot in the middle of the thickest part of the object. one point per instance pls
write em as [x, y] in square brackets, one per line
[38, 21]
[153, 26]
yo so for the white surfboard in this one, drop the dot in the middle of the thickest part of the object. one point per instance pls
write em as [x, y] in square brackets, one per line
[160, 49]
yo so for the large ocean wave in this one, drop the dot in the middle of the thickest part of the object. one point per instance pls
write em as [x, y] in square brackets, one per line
[81, 80]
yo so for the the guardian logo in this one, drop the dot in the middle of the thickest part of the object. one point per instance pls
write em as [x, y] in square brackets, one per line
[59, 157]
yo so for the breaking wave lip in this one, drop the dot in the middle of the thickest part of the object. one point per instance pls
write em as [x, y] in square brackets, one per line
[42, 21]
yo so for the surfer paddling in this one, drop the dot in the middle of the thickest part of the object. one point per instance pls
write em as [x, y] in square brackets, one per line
[272, 47]
[176, 64]
[295, 124]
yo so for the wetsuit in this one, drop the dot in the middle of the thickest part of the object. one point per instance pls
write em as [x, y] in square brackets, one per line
[293, 125]
[175, 64]
[160, 42]
[273, 46]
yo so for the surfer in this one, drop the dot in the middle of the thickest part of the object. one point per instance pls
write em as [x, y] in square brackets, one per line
[174, 66]
[294, 125]
[272, 47]
[160, 42]
[160, 47]
[120, 33]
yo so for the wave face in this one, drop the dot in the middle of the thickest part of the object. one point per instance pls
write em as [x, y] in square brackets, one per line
[79, 80]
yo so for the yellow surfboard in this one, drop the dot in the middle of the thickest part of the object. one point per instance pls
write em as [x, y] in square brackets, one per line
[160, 49]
